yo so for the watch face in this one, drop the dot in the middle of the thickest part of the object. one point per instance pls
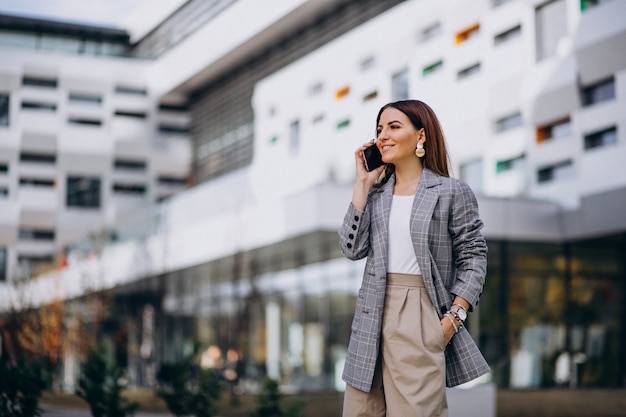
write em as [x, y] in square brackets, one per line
[462, 314]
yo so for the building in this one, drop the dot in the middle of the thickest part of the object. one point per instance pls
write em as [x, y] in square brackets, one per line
[531, 96]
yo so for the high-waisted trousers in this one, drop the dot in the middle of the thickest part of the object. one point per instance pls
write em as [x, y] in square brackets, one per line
[410, 375]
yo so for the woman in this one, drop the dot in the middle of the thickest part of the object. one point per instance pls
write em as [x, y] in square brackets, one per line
[425, 270]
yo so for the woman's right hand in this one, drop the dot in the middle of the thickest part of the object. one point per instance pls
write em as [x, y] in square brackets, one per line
[364, 179]
[362, 175]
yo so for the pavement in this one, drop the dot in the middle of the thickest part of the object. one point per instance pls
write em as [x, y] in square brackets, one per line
[509, 403]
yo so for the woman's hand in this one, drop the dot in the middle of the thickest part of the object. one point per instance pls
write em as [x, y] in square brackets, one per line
[364, 179]
[448, 330]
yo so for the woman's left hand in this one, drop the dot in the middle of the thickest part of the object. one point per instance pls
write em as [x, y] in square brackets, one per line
[448, 331]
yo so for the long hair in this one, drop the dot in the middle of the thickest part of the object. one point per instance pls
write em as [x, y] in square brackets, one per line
[422, 116]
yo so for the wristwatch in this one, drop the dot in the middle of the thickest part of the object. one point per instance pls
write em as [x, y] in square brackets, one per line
[459, 312]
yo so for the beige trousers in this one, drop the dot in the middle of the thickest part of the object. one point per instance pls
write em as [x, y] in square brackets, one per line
[410, 375]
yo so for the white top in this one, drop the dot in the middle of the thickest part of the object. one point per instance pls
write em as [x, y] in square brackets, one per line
[401, 256]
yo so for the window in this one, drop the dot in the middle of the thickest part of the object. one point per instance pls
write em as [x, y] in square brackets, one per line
[4, 167]
[400, 85]
[120, 188]
[133, 114]
[432, 68]
[4, 109]
[85, 98]
[84, 121]
[35, 234]
[368, 63]
[467, 34]
[557, 171]
[4, 191]
[316, 89]
[36, 182]
[507, 35]
[83, 192]
[588, 4]
[177, 181]
[598, 92]
[498, 3]
[601, 138]
[129, 164]
[176, 108]
[472, 174]
[39, 82]
[33, 105]
[342, 92]
[3, 264]
[551, 27]
[370, 96]
[342, 124]
[319, 118]
[173, 129]
[294, 137]
[510, 164]
[556, 130]
[469, 71]
[138, 91]
[509, 122]
[38, 157]
[430, 32]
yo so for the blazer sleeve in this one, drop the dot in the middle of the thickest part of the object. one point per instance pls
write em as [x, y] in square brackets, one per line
[469, 245]
[354, 233]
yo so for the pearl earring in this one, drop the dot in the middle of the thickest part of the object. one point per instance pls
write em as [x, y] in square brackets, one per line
[419, 150]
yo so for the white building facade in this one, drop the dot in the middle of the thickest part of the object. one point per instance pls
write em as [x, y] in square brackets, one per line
[532, 98]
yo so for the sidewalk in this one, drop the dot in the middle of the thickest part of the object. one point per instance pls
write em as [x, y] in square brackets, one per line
[510, 403]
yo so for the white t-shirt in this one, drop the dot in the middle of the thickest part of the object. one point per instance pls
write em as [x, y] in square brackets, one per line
[401, 255]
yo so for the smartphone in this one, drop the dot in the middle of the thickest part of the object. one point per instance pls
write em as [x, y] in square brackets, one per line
[373, 158]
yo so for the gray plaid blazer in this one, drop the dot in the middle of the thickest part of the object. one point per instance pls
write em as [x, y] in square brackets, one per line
[452, 255]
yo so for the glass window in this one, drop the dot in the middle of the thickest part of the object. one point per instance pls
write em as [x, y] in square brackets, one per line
[316, 89]
[556, 130]
[497, 3]
[370, 96]
[26, 233]
[469, 71]
[123, 188]
[551, 27]
[38, 157]
[342, 124]
[431, 32]
[130, 164]
[472, 174]
[561, 170]
[84, 121]
[120, 89]
[39, 82]
[294, 137]
[467, 34]
[36, 182]
[85, 98]
[510, 164]
[178, 181]
[507, 35]
[4, 109]
[4, 167]
[35, 105]
[132, 114]
[432, 68]
[400, 85]
[601, 138]
[4, 191]
[173, 129]
[3, 264]
[83, 192]
[599, 92]
[509, 122]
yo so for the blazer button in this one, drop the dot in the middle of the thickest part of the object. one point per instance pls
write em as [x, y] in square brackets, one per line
[354, 227]
[356, 218]
[351, 236]
[349, 245]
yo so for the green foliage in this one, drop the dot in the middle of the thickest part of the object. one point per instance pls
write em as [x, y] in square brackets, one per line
[188, 390]
[269, 402]
[101, 386]
[21, 386]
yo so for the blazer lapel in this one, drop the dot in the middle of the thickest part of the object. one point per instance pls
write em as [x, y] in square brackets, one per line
[426, 197]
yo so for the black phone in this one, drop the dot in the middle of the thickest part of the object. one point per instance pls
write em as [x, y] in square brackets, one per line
[373, 158]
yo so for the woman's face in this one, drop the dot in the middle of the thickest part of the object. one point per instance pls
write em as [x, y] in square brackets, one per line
[396, 137]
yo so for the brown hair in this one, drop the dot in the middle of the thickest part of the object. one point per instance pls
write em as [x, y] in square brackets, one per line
[422, 116]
